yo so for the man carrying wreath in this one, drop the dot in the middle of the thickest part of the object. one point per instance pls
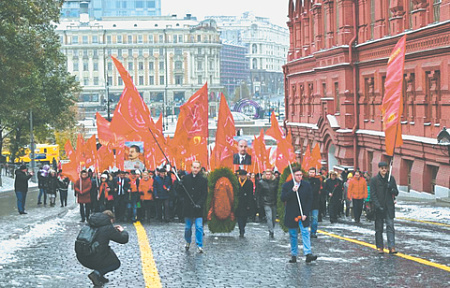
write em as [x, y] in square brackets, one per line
[297, 194]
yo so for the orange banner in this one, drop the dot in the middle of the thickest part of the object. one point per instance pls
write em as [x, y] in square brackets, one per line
[392, 106]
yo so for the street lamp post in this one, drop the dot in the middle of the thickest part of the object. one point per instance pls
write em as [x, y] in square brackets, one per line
[33, 163]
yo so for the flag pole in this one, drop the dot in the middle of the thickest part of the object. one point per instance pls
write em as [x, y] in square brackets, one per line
[298, 197]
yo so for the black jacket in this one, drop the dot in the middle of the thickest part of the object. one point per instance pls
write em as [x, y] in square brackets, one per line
[335, 187]
[52, 184]
[266, 192]
[197, 187]
[126, 186]
[292, 207]
[315, 186]
[104, 256]
[63, 184]
[21, 181]
[237, 159]
[381, 196]
[245, 199]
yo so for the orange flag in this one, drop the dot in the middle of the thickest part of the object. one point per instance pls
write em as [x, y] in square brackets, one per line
[70, 153]
[224, 148]
[90, 150]
[71, 170]
[259, 153]
[275, 130]
[159, 124]
[80, 155]
[132, 114]
[306, 161]
[392, 106]
[191, 133]
[104, 133]
[316, 157]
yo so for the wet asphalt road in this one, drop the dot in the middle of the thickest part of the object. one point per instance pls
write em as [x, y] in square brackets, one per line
[36, 250]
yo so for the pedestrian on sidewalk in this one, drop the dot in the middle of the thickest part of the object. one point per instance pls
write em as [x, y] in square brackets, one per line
[382, 194]
[197, 188]
[295, 217]
[357, 192]
[21, 187]
[42, 183]
[52, 187]
[245, 201]
[63, 187]
[82, 191]
[104, 260]
[267, 195]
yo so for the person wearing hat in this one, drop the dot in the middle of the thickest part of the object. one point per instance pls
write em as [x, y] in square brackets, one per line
[382, 193]
[52, 187]
[82, 190]
[334, 188]
[21, 187]
[122, 188]
[245, 200]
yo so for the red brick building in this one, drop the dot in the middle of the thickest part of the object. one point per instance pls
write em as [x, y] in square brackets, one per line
[335, 76]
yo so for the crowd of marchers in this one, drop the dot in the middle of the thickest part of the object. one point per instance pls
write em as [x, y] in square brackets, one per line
[162, 196]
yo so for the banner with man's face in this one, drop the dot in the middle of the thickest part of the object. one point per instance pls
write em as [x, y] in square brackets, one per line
[134, 155]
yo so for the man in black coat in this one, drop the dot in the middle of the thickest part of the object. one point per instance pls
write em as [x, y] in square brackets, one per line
[382, 195]
[266, 195]
[197, 188]
[315, 186]
[245, 200]
[334, 187]
[21, 187]
[294, 217]
[104, 260]
[122, 185]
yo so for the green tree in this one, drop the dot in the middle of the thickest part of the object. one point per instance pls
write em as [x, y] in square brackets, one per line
[33, 68]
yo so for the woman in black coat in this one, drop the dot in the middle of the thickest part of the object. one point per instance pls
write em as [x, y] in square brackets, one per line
[52, 187]
[245, 201]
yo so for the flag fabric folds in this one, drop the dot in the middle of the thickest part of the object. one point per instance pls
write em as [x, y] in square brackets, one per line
[392, 105]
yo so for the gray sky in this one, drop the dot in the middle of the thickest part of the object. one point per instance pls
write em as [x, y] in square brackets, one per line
[276, 10]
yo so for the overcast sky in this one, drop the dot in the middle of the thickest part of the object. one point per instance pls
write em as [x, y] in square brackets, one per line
[276, 10]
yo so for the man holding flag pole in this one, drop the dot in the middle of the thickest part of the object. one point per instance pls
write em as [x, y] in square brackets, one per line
[383, 187]
[298, 197]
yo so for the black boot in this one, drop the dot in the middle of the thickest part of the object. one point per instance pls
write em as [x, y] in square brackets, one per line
[310, 258]
[95, 278]
[293, 259]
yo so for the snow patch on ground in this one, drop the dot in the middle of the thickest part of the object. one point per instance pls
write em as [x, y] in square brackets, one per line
[421, 212]
[36, 233]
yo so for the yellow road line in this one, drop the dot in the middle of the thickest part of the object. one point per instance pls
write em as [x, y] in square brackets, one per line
[151, 275]
[422, 221]
[412, 258]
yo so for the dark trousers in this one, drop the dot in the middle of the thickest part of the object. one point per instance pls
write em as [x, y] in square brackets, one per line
[119, 206]
[63, 197]
[85, 211]
[380, 218]
[242, 222]
[160, 205]
[21, 197]
[42, 192]
[322, 206]
[147, 210]
[334, 208]
[358, 208]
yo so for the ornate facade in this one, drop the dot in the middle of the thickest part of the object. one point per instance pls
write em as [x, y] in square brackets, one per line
[334, 82]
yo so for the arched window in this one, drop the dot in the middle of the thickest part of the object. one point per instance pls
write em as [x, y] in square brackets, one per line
[254, 49]
[255, 63]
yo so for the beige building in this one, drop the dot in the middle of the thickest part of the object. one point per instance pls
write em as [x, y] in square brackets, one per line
[169, 58]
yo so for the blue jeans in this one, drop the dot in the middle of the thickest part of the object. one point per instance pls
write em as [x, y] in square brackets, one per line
[21, 196]
[42, 191]
[293, 235]
[314, 221]
[198, 230]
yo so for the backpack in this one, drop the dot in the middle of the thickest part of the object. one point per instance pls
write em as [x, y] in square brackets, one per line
[85, 244]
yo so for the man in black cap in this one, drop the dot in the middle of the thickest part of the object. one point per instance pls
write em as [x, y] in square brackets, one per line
[21, 187]
[382, 195]
[245, 200]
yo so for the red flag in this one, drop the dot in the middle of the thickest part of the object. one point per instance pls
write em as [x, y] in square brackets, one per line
[224, 148]
[306, 161]
[90, 150]
[71, 170]
[392, 106]
[70, 153]
[275, 130]
[159, 124]
[104, 133]
[132, 114]
[191, 133]
[80, 155]
[316, 158]
[106, 158]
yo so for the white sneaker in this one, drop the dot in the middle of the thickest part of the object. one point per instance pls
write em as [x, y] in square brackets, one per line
[200, 250]
[187, 246]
